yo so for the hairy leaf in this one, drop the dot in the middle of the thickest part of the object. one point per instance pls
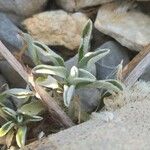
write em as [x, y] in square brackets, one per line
[48, 82]
[6, 128]
[32, 108]
[68, 94]
[21, 136]
[19, 93]
[51, 70]
[9, 112]
[91, 58]
[48, 53]
[73, 72]
[85, 40]
[9, 137]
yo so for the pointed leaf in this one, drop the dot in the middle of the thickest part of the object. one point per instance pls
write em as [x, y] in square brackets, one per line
[21, 136]
[33, 119]
[68, 94]
[31, 48]
[48, 53]
[73, 72]
[105, 85]
[86, 74]
[32, 108]
[48, 82]
[91, 58]
[85, 40]
[5, 128]
[19, 93]
[9, 112]
[51, 70]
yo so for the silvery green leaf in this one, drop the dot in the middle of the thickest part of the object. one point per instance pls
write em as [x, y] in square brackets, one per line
[85, 39]
[47, 52]
[90, 58]
[32, 108]
[51, 70]
[81, 81]
[104, 84]
[19, 93]
[48, 82]
[6, 128]
[73, 72]
[9, 112]
[86, 74]
[21, 136]
[68, 94]
[31, 48]
[19, 118]
[33, 119]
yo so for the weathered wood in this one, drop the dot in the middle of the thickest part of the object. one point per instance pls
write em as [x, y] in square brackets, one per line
[136, 67]
[55, 111]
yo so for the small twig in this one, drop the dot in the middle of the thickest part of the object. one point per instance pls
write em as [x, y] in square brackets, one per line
[136, 67]
[55, 111]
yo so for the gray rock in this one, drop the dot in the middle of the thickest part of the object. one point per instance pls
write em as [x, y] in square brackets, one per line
[72, 5]
[22, 7]
[122, 23]
[107, 64]
[13, 78]
[9, 33]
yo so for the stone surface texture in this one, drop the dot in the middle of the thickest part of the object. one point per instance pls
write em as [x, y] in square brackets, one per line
[57, 28]
[123, 24]
[123, 129]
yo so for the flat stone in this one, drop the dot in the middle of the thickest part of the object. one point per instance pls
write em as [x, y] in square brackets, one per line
[22, 7]
[57, 28]
[126, 128]
[72, 5]
[123, 25]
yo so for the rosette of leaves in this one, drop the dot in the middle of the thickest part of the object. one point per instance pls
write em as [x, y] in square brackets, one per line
[17, 121]
[57, 75]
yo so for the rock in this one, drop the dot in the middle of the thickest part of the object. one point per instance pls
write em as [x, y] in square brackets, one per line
[22, 7]
[57, 28]
[119, 130]
[74, 5]
[107, 64]
[9, 33]
[13, 78]
[123, 25]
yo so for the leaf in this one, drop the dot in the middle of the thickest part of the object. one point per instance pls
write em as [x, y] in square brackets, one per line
[21, 136]
[48, 82]
[47, 52]
[91, 58]
[9, 112]
[9, 138]
[32, 108]
[85, 39]
[19, 93]
[31, 48]
[68, 94]
[19, 118]
[51, 70]
[86, 74]
[73, 72]
[6, 128]
[108, 85]
[32, 118]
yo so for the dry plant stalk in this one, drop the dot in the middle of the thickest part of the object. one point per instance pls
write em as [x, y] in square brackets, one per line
[136, 67]
[55, 111]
